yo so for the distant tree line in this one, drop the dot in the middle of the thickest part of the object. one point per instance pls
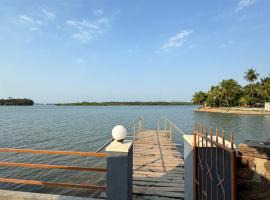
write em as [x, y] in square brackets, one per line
[229, 93]
[16, 102]
[135, 103]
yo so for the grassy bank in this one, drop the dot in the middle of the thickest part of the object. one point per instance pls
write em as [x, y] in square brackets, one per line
[135, 103]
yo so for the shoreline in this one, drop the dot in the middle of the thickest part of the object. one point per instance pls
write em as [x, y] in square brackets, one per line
[233, 111]
[131, 103]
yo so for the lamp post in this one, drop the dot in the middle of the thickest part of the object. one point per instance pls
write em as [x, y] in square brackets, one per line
[119, 133]
[119, 166]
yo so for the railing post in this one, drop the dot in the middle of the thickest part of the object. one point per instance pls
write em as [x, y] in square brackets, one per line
[158, 125]
[170, 132]
[165, 126]
[195, 163]
[134, 131]
[119, 170]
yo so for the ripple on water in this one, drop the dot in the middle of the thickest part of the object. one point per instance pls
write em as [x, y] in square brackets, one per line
[87, 128]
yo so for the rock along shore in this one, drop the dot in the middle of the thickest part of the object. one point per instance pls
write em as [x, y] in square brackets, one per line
[246, 111]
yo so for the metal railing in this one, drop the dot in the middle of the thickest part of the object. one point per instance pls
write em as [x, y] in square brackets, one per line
[137, 125]
[45, 166]
[104, 145]
[168, 124]
[214, 164]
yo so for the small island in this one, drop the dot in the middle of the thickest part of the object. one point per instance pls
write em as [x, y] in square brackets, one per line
[134, 103]
[16, 102]
[230, 97]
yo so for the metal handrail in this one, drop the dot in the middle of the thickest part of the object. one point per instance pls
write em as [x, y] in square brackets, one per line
[104, 145]
[176, 127]
[138, 120]
[171, 125]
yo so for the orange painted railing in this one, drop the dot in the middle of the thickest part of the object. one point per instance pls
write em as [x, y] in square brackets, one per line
[45, 166]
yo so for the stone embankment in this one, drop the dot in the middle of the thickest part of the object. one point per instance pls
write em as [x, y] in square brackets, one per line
[245, 111]
[253, 170]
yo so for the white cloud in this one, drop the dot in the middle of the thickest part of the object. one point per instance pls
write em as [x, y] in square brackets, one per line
[177, 40]
[31, 23]
[244, 4]
[104, 21]
[34, 22]
[80, 25]
[85, 30]
[83, 36]
[27, 19]
[98, 12]
[48, 13]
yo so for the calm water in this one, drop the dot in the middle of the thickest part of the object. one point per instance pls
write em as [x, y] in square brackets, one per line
[86, 128]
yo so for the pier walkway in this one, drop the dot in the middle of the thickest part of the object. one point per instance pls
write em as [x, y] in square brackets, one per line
[158, 167]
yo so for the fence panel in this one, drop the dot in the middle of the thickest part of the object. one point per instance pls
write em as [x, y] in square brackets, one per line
[214, 165]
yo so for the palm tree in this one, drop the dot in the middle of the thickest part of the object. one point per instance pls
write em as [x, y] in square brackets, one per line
[199, 98]
[264, 88]
[229, 91]
[251, 76]
[244, 101]
[213, 98]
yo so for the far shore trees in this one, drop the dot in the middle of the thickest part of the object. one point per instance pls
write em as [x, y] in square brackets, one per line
[229, 93]
[131, 103]
[16, 102]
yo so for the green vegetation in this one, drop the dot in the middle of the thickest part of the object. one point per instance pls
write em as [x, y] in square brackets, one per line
[136, 103]
[16, 102]
[229, 93]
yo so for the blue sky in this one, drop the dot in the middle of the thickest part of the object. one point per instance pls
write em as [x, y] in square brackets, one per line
[96, 50]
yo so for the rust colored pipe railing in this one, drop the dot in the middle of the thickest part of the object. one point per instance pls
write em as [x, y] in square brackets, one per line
[194, 164]
[233, 167]
[217, 143]
[52, 184]
[200, 184]
[94, 154]
[43, 166]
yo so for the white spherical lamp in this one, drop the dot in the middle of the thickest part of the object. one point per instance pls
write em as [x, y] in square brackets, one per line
[119, 133]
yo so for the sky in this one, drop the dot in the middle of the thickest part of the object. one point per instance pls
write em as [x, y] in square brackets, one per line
[96, 50]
